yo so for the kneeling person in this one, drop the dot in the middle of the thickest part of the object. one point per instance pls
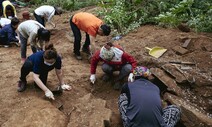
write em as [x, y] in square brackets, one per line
[140, 103]
[40, 64]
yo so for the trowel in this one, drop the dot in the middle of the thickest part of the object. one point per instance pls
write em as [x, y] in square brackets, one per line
[57, 103]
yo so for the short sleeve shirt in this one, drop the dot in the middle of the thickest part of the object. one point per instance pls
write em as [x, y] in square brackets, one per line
[87, 22]
[38, 63]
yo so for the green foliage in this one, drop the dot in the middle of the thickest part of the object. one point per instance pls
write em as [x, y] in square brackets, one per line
[176, 14]
[168, 13]
[197, 14]
[119, 15]
[202, 22]
[127, 15]
[66, 4]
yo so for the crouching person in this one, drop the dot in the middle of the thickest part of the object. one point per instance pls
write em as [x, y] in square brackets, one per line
[8, 34]
[140, 103]
[114, 59]
[40, 64]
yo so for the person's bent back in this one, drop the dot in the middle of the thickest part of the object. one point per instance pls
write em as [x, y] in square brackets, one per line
[140, 103]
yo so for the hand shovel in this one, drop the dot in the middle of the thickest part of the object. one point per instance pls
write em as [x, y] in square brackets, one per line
[57, 103]
[156, 51]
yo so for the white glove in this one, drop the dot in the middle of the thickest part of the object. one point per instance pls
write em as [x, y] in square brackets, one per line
[49, 94]
[93, 78]
[130, 77]
[66, 87]
[53, 25]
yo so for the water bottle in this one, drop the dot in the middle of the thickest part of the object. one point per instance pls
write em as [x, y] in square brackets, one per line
[117, 37]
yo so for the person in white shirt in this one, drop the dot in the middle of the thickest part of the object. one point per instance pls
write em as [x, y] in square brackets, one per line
[45, 13]
[4, 21]
[34, 32]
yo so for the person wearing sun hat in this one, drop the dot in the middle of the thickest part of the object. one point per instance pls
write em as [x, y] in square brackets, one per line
[114, 59]
[140, 103]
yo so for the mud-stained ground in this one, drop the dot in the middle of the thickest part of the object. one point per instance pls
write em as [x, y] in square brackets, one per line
[86, 103]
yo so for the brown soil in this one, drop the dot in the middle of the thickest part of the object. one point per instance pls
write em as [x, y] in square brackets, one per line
[18, 107]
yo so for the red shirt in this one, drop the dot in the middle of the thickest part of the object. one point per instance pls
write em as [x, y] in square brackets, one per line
[125, 58]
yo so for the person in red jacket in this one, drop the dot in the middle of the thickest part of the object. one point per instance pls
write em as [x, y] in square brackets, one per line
[114, 59]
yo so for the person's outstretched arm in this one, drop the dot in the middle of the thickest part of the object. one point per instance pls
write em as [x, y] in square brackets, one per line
[48, 93]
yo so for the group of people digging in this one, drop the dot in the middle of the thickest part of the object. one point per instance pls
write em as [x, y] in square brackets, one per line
[139, 101]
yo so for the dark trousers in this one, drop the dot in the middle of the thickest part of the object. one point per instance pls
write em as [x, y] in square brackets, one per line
[24, 46]
[78, 37]
[3, 41]
[39, 19]
[27, 68]
[124, 71]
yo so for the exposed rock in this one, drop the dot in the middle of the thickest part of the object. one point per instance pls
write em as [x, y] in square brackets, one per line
[186, 43]
[179, 50]
[191, 116]
[179, 77]
[167, 80]
[90, 112]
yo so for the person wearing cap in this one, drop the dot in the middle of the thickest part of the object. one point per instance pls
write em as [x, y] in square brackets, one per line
[8, 34]
[36, 34]
[114, 59]
[92, 26]
[9, 10]
[140, 103]
[45, 13]
[26, 15]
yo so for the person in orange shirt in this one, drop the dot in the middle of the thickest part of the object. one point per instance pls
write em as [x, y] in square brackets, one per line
[92, 26]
